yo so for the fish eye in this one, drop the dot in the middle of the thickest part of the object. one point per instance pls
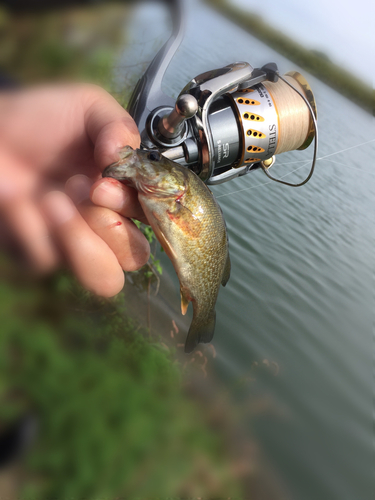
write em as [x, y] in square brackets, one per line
[154, 156]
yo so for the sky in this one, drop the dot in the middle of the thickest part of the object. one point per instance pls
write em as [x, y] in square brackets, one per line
[344, 30]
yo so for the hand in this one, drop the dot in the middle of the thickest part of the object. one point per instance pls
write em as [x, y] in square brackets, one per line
[66, 135]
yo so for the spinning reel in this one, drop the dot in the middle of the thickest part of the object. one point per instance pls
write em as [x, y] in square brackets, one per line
[226, 122]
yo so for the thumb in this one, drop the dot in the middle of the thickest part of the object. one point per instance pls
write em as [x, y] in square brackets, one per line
[109, 127]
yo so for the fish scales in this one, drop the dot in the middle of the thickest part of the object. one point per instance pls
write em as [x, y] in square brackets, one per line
[190, 226]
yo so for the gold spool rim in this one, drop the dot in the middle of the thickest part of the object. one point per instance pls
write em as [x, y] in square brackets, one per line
[311, 100]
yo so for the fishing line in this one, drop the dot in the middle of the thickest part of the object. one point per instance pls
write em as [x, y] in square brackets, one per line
[347, 149]
[245, 189]
[269, 182]
[306, 163]
[352, 168]
[330, 154]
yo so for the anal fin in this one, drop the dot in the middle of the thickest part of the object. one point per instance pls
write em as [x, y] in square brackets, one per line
[184, 301]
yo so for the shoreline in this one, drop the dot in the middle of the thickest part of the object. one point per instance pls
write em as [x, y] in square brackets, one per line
[316, 63]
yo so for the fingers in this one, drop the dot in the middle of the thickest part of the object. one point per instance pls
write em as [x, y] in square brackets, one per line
[16, 179]
[98, 243]
[109, 126]
[110, 193]
[30, 229]
[21, 214]
[121, 235]
[90, 258]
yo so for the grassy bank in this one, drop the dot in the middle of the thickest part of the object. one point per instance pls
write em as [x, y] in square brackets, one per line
[110, 410]
[314, 62]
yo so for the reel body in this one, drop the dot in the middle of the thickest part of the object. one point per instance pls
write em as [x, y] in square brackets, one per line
[225, 122]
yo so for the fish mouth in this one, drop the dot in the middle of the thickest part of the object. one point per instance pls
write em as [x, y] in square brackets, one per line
[113, 172]
[117, 169]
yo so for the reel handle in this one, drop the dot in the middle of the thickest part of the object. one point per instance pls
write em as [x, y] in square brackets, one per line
[170, 126]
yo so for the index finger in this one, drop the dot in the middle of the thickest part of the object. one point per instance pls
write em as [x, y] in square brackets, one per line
[109, 126]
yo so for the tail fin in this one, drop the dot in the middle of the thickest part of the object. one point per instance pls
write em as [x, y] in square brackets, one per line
[201, 330]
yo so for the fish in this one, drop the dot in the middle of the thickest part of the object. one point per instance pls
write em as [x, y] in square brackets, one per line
[190, 226]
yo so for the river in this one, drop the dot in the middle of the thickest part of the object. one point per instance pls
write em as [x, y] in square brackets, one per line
[296, 318]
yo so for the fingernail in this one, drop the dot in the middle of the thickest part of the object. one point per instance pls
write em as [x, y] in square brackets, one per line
[58, 207]
[78, 188]
[110, 194]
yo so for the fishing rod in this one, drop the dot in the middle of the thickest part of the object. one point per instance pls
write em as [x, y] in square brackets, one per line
[226, 122]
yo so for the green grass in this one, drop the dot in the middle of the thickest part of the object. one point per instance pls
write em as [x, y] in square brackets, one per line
[112, 415]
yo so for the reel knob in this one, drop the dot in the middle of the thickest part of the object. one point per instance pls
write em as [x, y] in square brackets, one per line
[171, 126]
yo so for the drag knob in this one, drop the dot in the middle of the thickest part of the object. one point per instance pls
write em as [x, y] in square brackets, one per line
[171, 126]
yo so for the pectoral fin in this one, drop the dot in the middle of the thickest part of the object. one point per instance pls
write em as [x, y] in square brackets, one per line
[185, 220]
[167, 247]
[156, 225]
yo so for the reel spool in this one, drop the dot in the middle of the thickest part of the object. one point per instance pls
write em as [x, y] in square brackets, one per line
[270, 118]
[274, 119]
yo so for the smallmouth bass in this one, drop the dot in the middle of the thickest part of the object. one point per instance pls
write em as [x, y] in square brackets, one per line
[189, 225]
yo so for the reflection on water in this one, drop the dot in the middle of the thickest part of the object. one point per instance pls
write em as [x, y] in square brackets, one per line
[295, 320]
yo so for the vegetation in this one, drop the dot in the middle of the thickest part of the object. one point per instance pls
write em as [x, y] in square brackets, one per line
[71, 43]
[315, 62]
[111, 412]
